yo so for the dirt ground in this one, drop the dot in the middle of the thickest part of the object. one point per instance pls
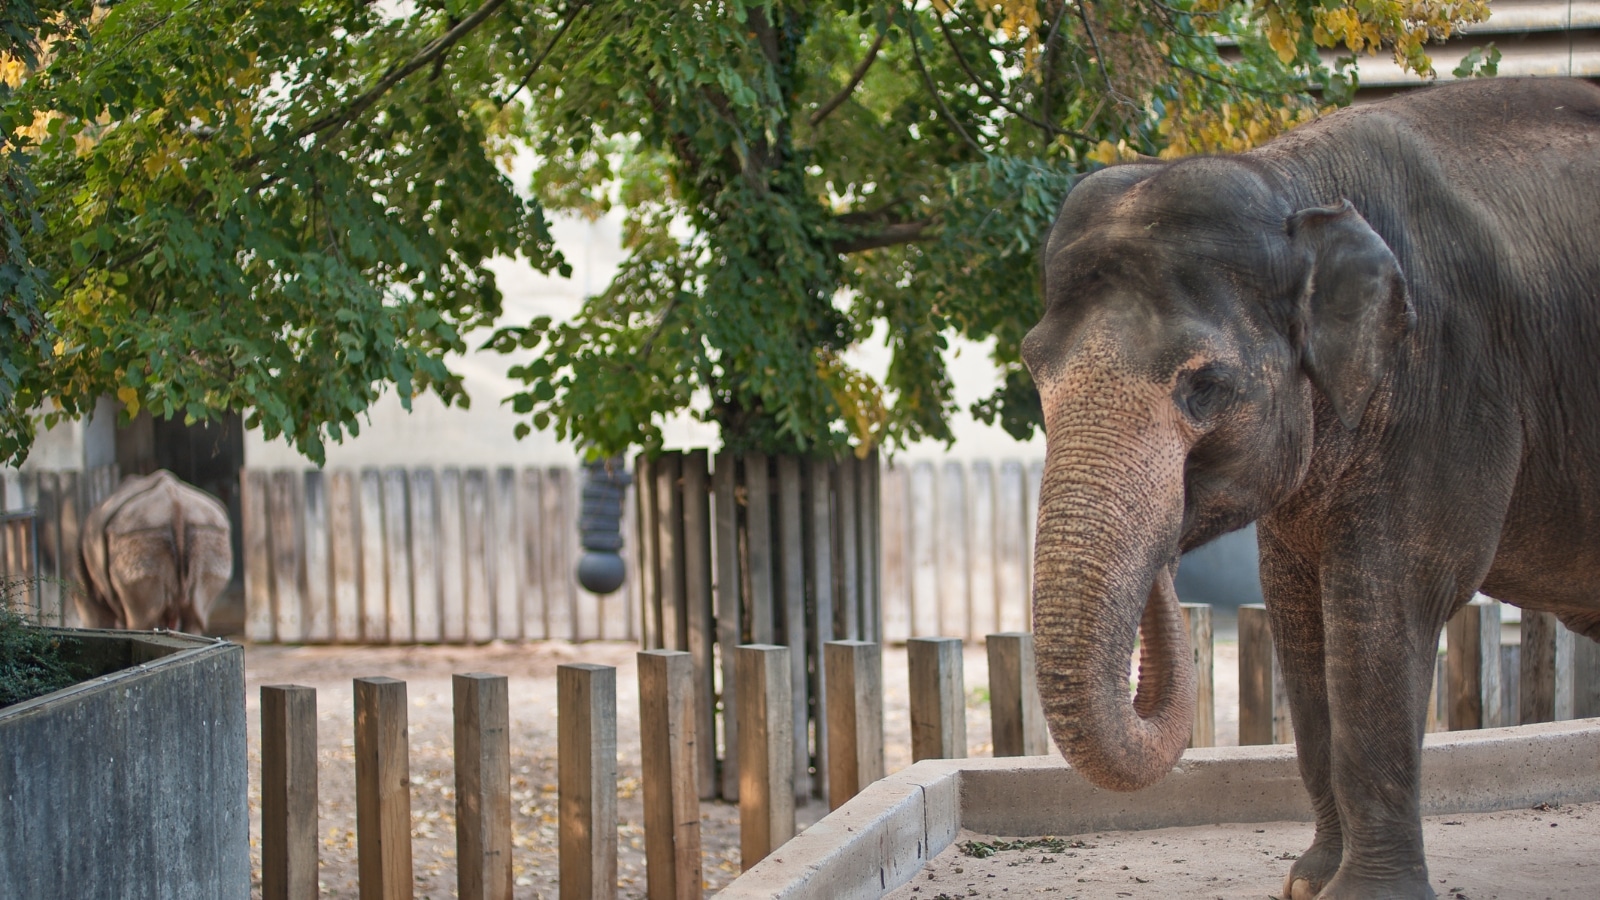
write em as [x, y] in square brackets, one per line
[1516, 855]
[531, 670]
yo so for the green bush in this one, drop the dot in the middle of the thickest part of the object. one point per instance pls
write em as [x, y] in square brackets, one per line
[34, 662]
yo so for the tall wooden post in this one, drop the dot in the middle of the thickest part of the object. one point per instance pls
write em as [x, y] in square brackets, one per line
[586, 750]
[288, 792]
[766, 750]
[1473, 649]
[483, 787]
[1263, 701]
[938, 699]
[383, 789]
[855, 717]
[1197, 622]
[1016, 712]
[667, 746]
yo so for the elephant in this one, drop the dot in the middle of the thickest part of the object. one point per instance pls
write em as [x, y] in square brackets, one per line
[156, 553]
[1377, 337]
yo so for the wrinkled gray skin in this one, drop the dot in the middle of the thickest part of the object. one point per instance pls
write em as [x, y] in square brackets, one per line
[157, 554]
[1379, 336]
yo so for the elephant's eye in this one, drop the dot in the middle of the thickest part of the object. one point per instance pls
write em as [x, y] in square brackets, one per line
[1205, 393]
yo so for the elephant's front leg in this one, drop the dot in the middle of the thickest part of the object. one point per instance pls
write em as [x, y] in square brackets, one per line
[1380, 654]
[1290, 584]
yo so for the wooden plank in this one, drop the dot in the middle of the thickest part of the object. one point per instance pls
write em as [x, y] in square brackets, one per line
[452, 559]
[670, 772]
[318, 563]
[1473, 649]
[766, 751]
[792, 564]
[1255, 675]
[426, 608]
[560, 534]
[1030, 517]
[1016, 712]
[761, 564]
[847, 539]
[483, 786]
[50, 551]
[820, 522]
[895, 608]
[1011, 538]
[985, 613]
[1585, 677]
[701, 625]
[397, 553]
[259, 617]
[854, 710]
[383, 790]
[924, 571]
[1197, 622]
[288, 572]
[668, 472]
[650, 599]
[374, 562]
[344, 556]
[938, 699]
[586, 752]
[620, 618]
[954, 572]
[506, 546]
[530, 504]
[73, 493]
[288, 792]
[872, 554]
[730, 623]
[1537, 685]
[475, 560]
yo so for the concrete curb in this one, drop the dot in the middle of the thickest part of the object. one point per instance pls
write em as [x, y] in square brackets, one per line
[883, 837]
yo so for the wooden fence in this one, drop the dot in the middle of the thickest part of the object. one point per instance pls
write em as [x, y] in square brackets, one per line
[420, 556]
[60, 501]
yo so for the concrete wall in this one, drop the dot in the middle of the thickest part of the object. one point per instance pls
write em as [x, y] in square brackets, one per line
[130, 786]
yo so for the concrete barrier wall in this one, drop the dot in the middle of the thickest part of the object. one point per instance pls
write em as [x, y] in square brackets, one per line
[131, 785]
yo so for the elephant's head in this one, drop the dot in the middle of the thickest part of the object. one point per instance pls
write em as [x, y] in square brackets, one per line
[1199, 326]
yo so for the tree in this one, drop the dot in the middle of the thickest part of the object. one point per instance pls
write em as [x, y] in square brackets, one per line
[287, 208]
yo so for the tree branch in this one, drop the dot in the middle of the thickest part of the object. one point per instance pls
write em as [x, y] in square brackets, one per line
[933, 91]
[892, 234]
[556, 39]
[856, 75]
[982, 85]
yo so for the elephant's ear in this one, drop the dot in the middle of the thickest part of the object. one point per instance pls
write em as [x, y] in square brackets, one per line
[1353, 309]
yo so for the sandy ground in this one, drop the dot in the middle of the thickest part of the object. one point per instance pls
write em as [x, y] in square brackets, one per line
[1516, 855]
[531, 671]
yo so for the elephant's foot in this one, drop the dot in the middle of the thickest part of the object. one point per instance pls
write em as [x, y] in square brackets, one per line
[1314, 869]
[1345, 886]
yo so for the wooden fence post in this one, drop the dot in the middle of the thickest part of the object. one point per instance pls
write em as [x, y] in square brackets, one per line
[791, 566]
[729, 595]
[1263, 702]
[1197, 622]
[668, 739]
[1585, 681]
[288, 792]
[766, 751]
[1016, 712]
[855, 717]
[483, 786]
[1473, 648]
[383, 790]
[700, 619]
[1537, 685]
[938, 699]
[586, 749]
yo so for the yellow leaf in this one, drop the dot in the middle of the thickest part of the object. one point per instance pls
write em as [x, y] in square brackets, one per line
[129, 398]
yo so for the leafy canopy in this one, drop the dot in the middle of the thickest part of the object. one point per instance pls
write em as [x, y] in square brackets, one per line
[288, 208]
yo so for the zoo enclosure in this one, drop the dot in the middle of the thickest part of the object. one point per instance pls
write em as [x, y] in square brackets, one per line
[42, 515]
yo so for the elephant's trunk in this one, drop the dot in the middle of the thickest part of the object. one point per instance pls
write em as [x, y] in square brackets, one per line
[1111, 505]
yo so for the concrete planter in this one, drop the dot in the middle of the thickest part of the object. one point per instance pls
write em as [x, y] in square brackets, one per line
[132, 784]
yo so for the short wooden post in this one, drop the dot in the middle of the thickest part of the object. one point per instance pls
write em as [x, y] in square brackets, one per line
[586, 764]
[938, 699]
[1197, 622]
[1263, 701]
[766, 750]
[1473, 648]
[854, 680]
[383, 790]
[288, 792]
[483, 787]
[667, 745]
[1016, 714]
